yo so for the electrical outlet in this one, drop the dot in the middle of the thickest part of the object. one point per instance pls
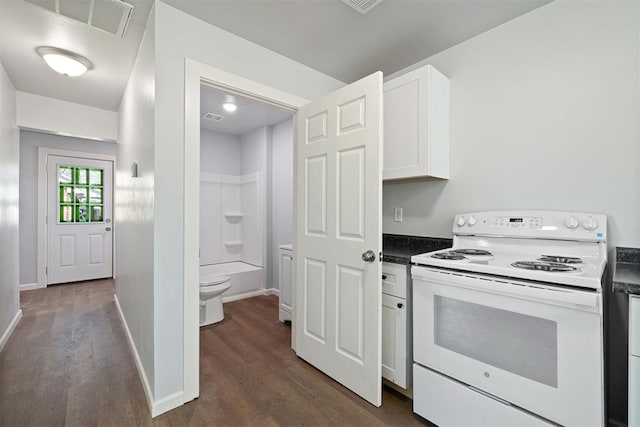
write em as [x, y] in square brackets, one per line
[397, 214]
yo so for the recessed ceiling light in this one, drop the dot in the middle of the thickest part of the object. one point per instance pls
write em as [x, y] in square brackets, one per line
[229, 107]
[63, 61]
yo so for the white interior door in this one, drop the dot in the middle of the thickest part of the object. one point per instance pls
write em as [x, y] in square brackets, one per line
[339, 204]
[79, 212]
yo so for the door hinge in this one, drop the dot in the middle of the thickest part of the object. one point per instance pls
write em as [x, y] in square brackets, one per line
[380, 256]
[46, 219]
[46, 271]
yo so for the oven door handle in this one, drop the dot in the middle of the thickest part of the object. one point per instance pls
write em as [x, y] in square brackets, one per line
[514, 289]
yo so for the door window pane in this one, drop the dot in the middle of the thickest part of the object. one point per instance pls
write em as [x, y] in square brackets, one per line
[66, 194]
[65, 174]
[96, 214]
[82, 213]
[95, 176]
[66, 213]
[95, 196]
[82, 176]
[81, 194]
[518, 343]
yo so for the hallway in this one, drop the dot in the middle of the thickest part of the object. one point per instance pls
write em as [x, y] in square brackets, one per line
[68, 363]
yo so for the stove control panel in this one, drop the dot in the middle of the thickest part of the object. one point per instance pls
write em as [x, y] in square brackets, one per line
[517, 222]
[533, 224]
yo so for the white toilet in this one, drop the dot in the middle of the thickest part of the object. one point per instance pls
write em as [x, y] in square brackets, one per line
[211, 289]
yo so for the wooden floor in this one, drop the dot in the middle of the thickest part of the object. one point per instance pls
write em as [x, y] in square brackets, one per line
[68, 363]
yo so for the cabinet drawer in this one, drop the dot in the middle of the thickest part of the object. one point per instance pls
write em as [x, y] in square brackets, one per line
[394, 279]
[634, 325]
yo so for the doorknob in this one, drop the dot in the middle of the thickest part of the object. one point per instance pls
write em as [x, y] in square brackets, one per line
[108, 228]
[369, 256]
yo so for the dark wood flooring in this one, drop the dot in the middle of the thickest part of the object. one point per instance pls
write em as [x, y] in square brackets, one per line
[69, 363]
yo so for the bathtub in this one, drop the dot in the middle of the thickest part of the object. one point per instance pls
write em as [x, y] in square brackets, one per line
[246, 280]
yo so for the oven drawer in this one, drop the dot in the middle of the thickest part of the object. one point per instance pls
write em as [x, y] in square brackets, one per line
[446, 402]
[394, 279]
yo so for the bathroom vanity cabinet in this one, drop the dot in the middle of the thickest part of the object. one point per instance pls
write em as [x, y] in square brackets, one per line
[396, 325]
[285, 277]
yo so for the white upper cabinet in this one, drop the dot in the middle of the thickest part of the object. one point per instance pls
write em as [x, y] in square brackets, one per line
[416, 125]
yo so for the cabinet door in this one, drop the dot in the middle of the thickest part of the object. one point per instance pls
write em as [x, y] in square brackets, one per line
[416, 125]
[286, 276]
[634, 391]
[634, 325]
[394, 340]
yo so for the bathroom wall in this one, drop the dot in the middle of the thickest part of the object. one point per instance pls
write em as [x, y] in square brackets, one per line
[255, 146]
[281, 224]
[220, 153]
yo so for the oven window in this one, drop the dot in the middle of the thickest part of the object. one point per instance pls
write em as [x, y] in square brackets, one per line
[521, 344]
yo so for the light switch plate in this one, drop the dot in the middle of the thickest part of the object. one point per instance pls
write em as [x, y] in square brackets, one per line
[397, 214]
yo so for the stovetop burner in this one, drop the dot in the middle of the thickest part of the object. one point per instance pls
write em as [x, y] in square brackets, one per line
[560, 259]
[448, 255]
[543, 266]
[472, 252]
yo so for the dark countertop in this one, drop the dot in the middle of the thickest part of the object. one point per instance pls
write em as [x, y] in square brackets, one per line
[626, 273]
[398, 249]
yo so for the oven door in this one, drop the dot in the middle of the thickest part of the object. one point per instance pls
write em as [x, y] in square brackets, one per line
[538, 347]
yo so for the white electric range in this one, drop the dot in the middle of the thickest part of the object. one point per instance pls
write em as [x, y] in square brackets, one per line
[508, 323]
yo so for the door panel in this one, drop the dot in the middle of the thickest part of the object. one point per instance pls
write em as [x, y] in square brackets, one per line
[338, 219]
[79, 212]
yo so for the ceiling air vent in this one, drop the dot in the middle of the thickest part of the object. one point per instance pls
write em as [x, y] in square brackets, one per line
[213, 117]
[111, 16]
[362, 6]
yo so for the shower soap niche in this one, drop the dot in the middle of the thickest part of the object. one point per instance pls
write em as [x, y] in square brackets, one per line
[234, 217]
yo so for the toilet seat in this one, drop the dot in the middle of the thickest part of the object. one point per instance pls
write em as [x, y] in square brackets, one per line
[213, 280]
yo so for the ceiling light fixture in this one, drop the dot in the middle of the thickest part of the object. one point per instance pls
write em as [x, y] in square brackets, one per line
[229, 107]
[63, 61]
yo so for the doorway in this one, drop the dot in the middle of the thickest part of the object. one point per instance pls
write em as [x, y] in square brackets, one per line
[75, 206]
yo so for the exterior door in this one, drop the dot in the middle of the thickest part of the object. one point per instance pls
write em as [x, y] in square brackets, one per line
[79, 212]
[339, 235]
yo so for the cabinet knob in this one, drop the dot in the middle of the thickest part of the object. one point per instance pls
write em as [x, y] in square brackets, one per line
[399, 305]
[384, 277]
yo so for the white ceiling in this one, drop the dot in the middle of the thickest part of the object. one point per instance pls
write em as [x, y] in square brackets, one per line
[324, 34]
[249, 116]
[23, 27]
[331, 37]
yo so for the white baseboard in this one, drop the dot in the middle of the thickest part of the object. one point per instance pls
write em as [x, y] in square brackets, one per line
[31, 286]
[156, 407]
[12, 326]
[272, 291]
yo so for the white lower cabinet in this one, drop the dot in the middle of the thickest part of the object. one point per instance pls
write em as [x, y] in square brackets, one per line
[285, 284]
[634, 361]
[396, 325]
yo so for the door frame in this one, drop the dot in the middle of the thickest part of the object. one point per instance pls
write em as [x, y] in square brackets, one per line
[42, 232]
[197, 73]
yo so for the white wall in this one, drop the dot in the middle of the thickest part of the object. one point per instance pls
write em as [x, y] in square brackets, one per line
[50, 115]
[134, 206]
[29, 143]
[544, 115]
[220, 153]
[181, 36]
[9, 202]
[255, 146]
[281, 193]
